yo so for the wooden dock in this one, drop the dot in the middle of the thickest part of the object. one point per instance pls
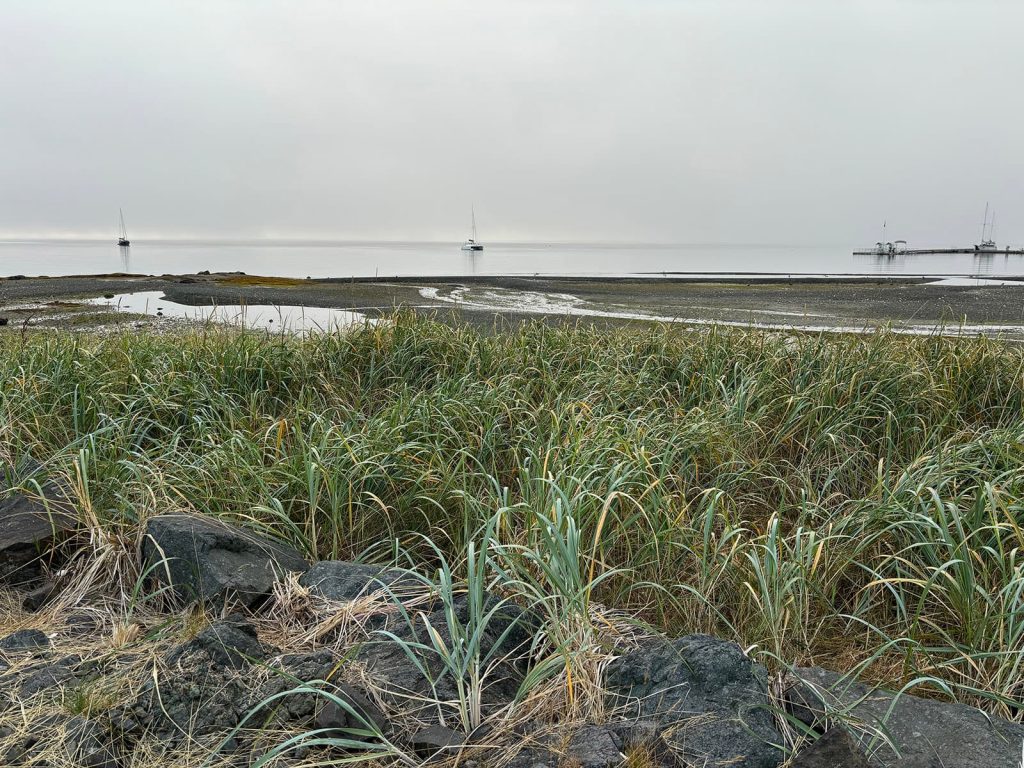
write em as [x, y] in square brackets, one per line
[929, 251]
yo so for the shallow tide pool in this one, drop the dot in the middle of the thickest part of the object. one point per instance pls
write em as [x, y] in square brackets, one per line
[289, 318]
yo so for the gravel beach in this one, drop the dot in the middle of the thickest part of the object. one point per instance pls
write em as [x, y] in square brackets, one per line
[812, 303]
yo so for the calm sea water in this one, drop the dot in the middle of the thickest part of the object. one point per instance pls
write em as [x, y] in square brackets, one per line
[362, 259]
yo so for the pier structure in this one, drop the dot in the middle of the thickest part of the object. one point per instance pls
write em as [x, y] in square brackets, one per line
[1008, 251]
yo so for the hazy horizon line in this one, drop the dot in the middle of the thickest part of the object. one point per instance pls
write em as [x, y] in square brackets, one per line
[13, 238]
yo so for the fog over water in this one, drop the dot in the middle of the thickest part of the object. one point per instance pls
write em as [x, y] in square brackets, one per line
[650, 121]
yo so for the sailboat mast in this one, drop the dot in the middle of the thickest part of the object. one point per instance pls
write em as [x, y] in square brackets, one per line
[472, 214]
[124, 232]
[984, 223]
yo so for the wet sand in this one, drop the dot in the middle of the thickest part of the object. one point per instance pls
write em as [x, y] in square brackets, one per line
[813, 303]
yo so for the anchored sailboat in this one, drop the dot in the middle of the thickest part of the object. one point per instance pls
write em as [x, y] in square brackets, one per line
[472, 244]
[123, 237]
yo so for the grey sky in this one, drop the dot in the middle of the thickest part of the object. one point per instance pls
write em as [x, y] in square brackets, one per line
[639, 120]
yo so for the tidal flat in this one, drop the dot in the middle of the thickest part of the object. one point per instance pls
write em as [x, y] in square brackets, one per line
[913, 305]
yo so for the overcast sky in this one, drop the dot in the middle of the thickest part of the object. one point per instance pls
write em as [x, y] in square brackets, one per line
[774, 121]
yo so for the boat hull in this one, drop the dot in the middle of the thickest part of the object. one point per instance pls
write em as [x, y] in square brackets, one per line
[472, 247]
[123, 241]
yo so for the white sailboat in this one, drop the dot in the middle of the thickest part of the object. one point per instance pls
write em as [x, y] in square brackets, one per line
[122, 238]
[988, 244]
[472, 244]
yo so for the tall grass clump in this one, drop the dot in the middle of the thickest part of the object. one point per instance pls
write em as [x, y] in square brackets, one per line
[829, 499]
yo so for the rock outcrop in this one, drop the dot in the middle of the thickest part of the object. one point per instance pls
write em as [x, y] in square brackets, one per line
[918, 733]
[835, 749]
[70, 740]
[691, 702]
[341, 580]
[710, 700]
[400, 675]
[201, 689]
[205, 559]
[31, 527]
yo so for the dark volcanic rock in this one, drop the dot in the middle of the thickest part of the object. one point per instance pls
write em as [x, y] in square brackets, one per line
[595, 746]
[342, 580]
[590, 746]
[40, 596]
[360, 713]
[645, 735]
[836, 749]
[211, 560]
[78, 742]
[81, 623]
[535, 757]
[429, 741]
[89, 745]
[24, 639]
[30, 527]
[202, 689]
[230, 643]
[925, 733]
[54, 675]
[710, 699]
[291, 671]
[506, 639]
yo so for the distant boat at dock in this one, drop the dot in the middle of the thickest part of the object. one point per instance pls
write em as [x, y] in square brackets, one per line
[1007, 251]
[122, 239]
[886, 248]
[987, 246]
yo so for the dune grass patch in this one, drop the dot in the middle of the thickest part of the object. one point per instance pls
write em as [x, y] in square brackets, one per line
[842, 500]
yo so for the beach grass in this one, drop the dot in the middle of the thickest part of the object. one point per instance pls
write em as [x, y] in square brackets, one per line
[851, 501]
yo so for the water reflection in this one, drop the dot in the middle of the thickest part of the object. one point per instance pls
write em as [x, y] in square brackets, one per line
[983, 262]
[290, 318]
[890, 262]
[126, 258]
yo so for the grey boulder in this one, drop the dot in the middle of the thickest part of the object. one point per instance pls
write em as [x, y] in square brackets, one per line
[24, 640]
[710, 700]
[30, 527]
[923, 733]
[835, 749]
[201, 558]
[342, 581]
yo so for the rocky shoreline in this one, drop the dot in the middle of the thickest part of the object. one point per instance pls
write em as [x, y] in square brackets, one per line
[295, 662]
